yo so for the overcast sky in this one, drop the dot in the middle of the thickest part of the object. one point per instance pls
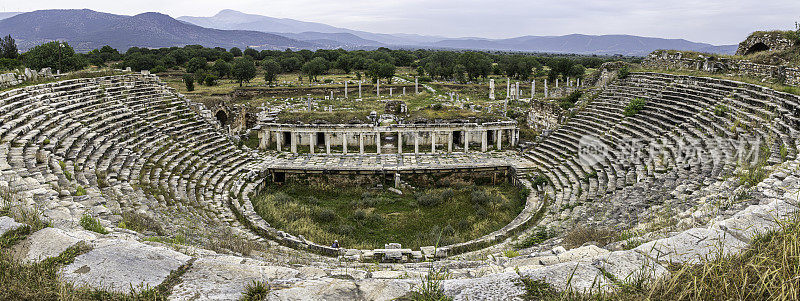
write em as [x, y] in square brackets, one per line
[711, 21]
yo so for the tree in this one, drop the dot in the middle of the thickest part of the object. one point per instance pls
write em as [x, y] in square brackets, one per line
[244, 70]
[188, 79]
[314, 67]
[271, 70]
[577, 71]
[196, 64]
[476, 64]
[221, 68]
[236, 51]
[57, 55]
[8, 48]
[346, 63]
[252, 53]
[290, 64]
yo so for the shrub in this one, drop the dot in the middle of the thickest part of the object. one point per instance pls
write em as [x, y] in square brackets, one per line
[281, 198]
[429, 198]
[536, 289]
[92, 224]
[80, 191]
[633, 108]
[581, 235]
[720, 110]
[255, 291]
[431, 287]
[211, 80]
[539, 235]
[623, 72]
[510, 253]
[188, 79]
[324, 215]
[540, 180]
[158, 69]
[141, 223]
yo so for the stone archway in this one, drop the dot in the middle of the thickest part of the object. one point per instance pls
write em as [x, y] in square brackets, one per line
[222, 117]
[757, 47]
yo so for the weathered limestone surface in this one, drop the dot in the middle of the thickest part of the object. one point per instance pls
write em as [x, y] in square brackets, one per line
[49, 242]
[225, 277]
[692, 246]
[117, 264]
[8, 224]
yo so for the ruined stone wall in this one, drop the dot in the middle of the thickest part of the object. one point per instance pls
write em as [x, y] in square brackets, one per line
[663, 60]
[19, 77]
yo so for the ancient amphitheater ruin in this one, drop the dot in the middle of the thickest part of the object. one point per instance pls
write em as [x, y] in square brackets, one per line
[104, 146]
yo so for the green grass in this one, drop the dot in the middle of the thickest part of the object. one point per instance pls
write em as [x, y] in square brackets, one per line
[255, 291]
[768, 269]
[368, 218]
[92, 224]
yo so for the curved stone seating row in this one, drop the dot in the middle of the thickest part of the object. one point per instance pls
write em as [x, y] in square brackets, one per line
[109, 135]
[680, 111]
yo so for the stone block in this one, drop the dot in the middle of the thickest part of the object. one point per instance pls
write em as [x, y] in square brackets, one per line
[119, 265]
[225, 278]
[48, 242]
[692, 246]
[628, 266]
[8, 224]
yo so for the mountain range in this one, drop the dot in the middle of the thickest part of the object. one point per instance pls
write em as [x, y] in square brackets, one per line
[87, 29]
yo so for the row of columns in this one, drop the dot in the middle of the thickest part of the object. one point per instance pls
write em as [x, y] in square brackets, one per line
[378, 89]
[465, 136]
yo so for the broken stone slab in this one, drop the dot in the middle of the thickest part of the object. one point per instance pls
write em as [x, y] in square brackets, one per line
[225, 277]
[384, 289]
[692, 246]
[502, 286]
[573, 276]
[629, 266]
[323, 289]
[123, 266]
[8, 224]
[746, 225]
[48, 242]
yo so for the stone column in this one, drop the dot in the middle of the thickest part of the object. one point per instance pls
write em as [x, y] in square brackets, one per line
[416, 85]
[378, 89]
[533, 88]
[327, 143]
[399, 142]
[293, 136]
[344, 143]
[508, 88]
[433, 142]
[312, 141]
[390, 91]
[491, 89]
[499, 138]
[514, 137]
[361, 143]
[450, 141]
[416, 142]
[484, 140]
[556, 82]
[278, 139]
[465, 134]
[345, 90]
[378, 142]
[359, 90]
[404, 91]
[517, 93]
[545, 88]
